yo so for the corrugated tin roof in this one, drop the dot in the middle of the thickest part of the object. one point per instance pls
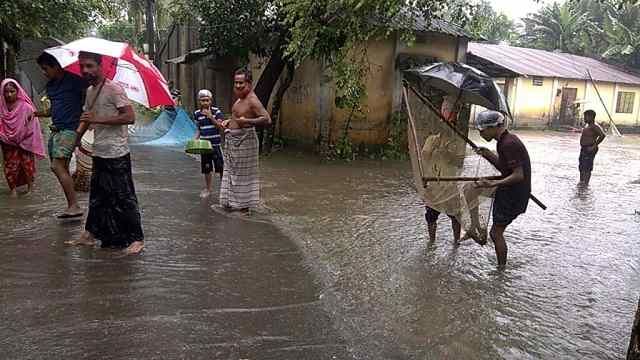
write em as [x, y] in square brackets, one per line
[536, 62]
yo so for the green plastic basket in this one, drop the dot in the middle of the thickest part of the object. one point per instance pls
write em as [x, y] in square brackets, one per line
[198, 147]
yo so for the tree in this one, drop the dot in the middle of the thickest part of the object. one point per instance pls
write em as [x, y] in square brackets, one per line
[557, 27]
[621, 32]
[21, 19]
[486, 24]
[604, 29]
[128, 25]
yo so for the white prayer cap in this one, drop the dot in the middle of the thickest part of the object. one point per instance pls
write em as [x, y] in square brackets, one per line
[489, 118]
[205, 93]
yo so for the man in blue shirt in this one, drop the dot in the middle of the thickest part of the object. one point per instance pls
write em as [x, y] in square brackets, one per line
[66, 92]
[208, 120]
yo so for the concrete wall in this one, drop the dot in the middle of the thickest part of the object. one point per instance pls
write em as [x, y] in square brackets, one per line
[309, 114]
[535, 106]
[628, 119]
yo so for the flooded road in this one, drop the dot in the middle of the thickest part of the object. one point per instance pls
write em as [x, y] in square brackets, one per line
[341, 268]
[570, 290]
[206, 287]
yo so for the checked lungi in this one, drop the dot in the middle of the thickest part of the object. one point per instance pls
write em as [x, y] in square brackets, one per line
[240, 187]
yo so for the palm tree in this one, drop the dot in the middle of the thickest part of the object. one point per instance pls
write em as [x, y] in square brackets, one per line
[556, 27]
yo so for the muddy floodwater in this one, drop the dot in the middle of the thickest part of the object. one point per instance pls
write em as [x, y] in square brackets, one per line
[336, 265]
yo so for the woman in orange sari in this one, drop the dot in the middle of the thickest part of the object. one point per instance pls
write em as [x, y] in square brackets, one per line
[20, 136]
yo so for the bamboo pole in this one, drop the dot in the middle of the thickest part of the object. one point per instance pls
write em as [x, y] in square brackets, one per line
[412, 128]
[459, 133]
[459, 178]
[614, 128]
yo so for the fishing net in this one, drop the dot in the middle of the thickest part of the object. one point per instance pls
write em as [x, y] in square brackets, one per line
[442, 157]
[170, 128]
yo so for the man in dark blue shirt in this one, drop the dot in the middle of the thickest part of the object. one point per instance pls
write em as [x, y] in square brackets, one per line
[208, 120]
[66, 92]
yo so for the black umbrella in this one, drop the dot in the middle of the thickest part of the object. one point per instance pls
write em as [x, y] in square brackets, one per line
[464, 83]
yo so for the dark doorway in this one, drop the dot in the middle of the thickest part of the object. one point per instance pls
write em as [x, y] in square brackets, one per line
[567, 107]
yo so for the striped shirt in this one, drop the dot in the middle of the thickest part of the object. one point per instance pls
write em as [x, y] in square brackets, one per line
[208, 131]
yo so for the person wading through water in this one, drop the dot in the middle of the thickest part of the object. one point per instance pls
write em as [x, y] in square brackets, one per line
[66, 92]
[114, 217]
[592, 136]
[513, 191]
[240, 189]
[20, 136]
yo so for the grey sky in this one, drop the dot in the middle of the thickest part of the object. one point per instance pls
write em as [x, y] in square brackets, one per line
[517, 9]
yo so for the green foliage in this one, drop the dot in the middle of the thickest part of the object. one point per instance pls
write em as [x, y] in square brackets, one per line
[121, 30]
[342, 150]
[557, 27]
[481, 20]
[607, 29]
[238, 27]
[21, 19]
[621, 32]
[396, 147]
[128, 23]
[331, 31]
[336, 32]
[489, 25]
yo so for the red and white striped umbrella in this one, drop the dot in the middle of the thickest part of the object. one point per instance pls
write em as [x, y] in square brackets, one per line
[141, 80]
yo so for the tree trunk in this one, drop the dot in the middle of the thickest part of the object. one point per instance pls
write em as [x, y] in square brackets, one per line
[11, 62]
[268, 81]
[3, 70]
[285, 82]
[151, 32]
[634, 344]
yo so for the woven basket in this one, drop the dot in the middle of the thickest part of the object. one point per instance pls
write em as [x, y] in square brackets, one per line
[84, 163]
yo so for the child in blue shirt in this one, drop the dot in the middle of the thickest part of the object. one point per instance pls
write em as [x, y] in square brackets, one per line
[209, 122]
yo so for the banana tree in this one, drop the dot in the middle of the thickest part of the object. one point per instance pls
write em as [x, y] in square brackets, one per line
[621, 32]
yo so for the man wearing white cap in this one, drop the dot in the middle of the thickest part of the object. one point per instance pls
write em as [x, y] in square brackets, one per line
[513, 191]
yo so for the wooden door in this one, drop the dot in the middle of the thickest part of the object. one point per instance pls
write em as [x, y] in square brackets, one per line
[567, 115]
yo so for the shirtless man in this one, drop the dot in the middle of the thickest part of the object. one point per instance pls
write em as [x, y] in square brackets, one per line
[240, 189]
[592, 136]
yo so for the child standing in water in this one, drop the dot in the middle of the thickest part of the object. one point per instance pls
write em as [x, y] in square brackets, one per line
[209, 120]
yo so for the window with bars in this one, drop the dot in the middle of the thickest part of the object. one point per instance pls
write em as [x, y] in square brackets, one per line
[625, 102]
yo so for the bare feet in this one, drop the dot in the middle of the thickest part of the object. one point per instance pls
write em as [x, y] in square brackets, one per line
[73, 211]
[478, 234]
[13, 193]
[205, 194]
[86, 239]
[135, 248]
